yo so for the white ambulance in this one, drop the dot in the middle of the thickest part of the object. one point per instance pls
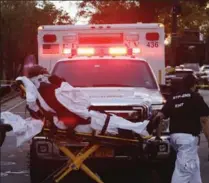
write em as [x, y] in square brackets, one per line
[138, 40]
[118, 66]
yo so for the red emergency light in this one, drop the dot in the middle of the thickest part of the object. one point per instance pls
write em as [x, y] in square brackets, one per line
[107, 38]
[49, 38]
[152, 36]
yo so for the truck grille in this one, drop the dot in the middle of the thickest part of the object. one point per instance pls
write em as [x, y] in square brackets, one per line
[131, 113]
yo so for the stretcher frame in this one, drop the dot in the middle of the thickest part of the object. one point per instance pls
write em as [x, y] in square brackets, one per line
[76, 161]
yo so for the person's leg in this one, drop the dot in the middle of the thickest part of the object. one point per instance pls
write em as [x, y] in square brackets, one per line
[180, 176]
[196, 178]
[187, 162]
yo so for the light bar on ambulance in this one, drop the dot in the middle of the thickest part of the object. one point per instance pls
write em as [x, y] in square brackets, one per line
[118, 51]
[67, 51]
[136, 51]
[112, 51]
[86, 51]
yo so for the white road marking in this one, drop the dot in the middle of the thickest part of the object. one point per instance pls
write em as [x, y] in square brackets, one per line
[4, 174]
[4, 163]
[15, 106]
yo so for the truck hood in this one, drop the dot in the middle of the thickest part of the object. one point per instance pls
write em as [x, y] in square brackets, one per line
[122, 96]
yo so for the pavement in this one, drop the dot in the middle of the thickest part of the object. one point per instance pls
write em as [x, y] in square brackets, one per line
[14, 161]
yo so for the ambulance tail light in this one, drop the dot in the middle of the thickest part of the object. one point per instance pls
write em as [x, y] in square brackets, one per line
[85, 51]
[118, 51]
[67, 51]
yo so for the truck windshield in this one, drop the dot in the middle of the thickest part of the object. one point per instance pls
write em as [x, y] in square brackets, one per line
[106, 73]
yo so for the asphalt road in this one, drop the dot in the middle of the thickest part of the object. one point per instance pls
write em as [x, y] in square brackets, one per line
[14, 165]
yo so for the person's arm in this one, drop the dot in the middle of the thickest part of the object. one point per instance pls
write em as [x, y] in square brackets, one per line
[163, 114]
[205, 126]
[203, 111]
[160, 116]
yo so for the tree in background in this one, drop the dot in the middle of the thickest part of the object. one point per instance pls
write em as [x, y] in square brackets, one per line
[193, 13]
[19, 23]
[192, 17]
[146, 11]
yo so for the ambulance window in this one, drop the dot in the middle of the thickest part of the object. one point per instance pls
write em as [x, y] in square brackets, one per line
[49, 38]
[152, 36]
[106, 73]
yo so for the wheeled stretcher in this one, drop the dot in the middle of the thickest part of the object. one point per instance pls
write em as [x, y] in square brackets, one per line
[77, 161]
[61, 138]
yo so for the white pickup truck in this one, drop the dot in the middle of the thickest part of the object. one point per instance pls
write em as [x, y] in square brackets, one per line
[115, 85]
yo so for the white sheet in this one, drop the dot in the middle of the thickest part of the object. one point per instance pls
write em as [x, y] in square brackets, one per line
[32, 95]
[98, 121]
[78, 102]
[75, 101]
[24, 129]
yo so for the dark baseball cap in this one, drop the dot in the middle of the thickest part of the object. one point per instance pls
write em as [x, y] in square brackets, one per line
[189, 80]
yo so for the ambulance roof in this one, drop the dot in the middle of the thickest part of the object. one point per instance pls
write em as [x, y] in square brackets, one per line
[101, 26]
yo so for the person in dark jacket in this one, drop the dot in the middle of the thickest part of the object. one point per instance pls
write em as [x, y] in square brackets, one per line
[189, 114]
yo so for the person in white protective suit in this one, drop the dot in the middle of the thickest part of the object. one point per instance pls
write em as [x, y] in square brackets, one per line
[188, 114]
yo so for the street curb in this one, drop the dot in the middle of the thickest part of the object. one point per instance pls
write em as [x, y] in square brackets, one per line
[8, 97]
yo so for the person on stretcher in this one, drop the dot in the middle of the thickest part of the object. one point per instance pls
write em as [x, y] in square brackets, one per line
[46, 86]
[51, 97]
